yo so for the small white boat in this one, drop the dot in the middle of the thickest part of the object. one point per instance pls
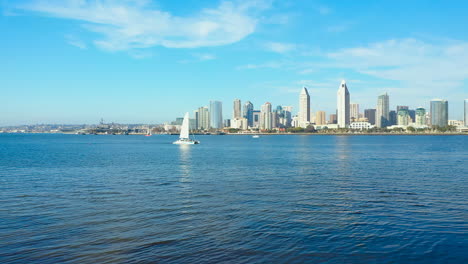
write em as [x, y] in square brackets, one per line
[184, 138]
[255, 136]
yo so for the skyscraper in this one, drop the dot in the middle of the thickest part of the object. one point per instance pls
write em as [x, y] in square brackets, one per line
[203, 118]
[382, 112]
[420, 117]
[343, 105]
[466, 112]
[266, 117]
[399, 107]
[332, 119]
[236, 113]
[320, 118]
[403, 117]
[439, 112]
[354, 111]
[216, 114]
[304, 108]
[392, 118]
[370, 115]
[248, 113]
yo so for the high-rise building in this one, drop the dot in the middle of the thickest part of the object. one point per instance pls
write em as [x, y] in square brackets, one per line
[236, 113]
[370, 115]
[343, 105]
[216, 114]
[332, 119]
[248, 113]
[203, 118]
[439, 112]
[412, 114]
[403, 117]
[382, 112]
[392, 118]
[420, 117]
[320, 118]
[354, 111]
[466, 113]
[266, 117]
[400, 107]
[256, 118]
[304, 108]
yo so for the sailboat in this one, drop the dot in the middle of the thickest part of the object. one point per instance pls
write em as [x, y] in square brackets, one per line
[148, 133]
[184, 138]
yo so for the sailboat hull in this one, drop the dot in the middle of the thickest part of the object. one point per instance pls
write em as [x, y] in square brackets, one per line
[186, 142]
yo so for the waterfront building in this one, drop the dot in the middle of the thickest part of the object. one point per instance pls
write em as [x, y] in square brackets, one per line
[361, 125]
[227, 123]
[420, 117]
[455, 123]
[343, 109]
[393, 118]
[256, 118]
[382, 112]
[466, 112]
[332, 119]
[354, 111]
[203, 118]
[216, 114]
[266, 117]
[248, 113]
[304, 108]
[439, 112]
[295, 121]
[370, 115]
[403, 118]
[320, 118]
[283, 116]
[236, 113]
[412, 114]
[239, 123]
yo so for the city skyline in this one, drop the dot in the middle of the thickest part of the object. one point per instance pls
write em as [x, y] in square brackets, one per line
[81, 67]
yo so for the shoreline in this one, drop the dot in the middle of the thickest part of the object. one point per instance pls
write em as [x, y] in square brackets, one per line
[268, 134]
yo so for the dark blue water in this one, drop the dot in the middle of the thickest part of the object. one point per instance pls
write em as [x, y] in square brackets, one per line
[233, 199]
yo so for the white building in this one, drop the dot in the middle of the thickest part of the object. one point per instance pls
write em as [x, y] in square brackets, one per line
[456, 123]
[361, 125]
[239, 123]
[304, 108]
[266, 117]
[342, 106]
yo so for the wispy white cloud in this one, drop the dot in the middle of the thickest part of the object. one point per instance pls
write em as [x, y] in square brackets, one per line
[204, 56]
[128, 24]
[279, 47]
[75, 41]
[407, 60]
[271, 65]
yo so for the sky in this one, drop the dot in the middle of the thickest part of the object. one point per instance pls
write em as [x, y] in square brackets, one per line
[143, 61]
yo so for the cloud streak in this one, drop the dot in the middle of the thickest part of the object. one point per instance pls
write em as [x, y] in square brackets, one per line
[130, 24]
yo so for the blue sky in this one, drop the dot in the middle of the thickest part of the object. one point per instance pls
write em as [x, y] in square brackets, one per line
[142, 61]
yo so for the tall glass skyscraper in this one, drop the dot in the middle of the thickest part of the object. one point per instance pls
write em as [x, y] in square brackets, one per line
[439, 112]
[236, 113]
[248, 113]
[382, 115]
[216, 114]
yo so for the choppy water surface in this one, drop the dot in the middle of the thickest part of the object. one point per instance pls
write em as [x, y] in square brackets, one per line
[233, 199]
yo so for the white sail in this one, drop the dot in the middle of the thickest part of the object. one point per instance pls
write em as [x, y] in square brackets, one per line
[184, 130]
